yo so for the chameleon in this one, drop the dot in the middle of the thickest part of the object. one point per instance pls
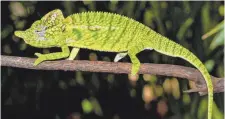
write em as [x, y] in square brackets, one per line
[106, 32]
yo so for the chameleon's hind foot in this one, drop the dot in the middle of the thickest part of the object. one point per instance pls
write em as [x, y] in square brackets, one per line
[133, 77]
[38, 54]
[135, 63]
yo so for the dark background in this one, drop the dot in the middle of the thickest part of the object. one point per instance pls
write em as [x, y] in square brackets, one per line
[32, 94]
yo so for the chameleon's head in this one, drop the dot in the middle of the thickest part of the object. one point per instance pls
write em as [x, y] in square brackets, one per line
[47, 32]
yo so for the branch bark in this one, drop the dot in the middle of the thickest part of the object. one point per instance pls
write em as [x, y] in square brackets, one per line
[118, 67]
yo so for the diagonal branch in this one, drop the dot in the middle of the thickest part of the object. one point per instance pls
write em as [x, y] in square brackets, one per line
[112, 67]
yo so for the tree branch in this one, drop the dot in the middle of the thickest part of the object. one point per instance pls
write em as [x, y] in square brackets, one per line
[112, 67]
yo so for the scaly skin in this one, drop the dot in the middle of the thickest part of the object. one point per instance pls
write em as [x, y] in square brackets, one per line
[104, 32]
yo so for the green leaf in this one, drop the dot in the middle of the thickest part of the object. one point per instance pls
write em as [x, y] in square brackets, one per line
[216, 29]
[209, 64]
[96, 106]
[202, 110]
[148, 17]
[184, 28]
[221, 10]
[218, 40]
[87, 106]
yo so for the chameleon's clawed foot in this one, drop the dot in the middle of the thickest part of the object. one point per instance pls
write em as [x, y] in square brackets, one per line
[40, 59]
[38, 54]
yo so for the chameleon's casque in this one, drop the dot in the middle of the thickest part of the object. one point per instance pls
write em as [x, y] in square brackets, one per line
[104, 32]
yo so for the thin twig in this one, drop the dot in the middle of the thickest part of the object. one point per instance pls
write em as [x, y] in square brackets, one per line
[117, 67]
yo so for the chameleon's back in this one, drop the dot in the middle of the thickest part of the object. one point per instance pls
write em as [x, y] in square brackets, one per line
[107, 31]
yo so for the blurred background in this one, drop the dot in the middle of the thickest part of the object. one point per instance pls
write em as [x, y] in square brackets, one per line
[33, 94]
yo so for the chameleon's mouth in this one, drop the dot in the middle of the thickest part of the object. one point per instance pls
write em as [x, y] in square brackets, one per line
[19, 34]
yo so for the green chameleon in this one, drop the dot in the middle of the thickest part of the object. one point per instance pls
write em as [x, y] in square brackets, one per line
[104, 32]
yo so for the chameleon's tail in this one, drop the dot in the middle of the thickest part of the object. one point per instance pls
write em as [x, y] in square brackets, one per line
[168, 47]
[199, 65]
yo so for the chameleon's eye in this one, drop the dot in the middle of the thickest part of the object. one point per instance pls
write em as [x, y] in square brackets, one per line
[40, 31]
[36, 31]
[40, 28]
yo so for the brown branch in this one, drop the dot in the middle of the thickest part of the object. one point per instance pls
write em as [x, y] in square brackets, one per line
[102, 66]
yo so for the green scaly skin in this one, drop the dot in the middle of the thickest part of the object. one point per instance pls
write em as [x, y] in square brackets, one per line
[104, 32]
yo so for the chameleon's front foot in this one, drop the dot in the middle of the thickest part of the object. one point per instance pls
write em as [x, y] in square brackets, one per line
[40, 58]
[52, 56]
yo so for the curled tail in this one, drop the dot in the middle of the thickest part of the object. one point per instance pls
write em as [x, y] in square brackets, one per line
[168, 47]
[190, 57]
